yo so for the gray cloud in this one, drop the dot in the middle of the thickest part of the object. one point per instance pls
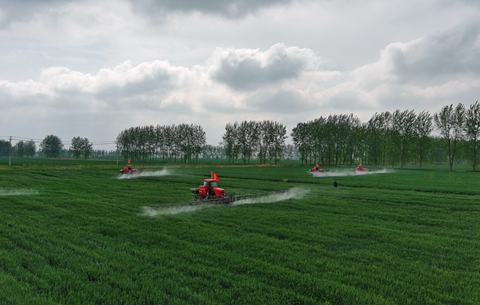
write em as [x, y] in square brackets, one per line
[226, 8]
[251, 69]
[437, 56]
[22, 10]
[147, 86]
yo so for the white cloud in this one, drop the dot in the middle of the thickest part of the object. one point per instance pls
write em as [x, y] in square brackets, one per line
[117, 64]
[246, 69]
[18, 90]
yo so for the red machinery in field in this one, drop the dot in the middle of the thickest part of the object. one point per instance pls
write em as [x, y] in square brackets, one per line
[359, 168]
[317, 169]
[209, 189]
[211, 193]
[128, 169]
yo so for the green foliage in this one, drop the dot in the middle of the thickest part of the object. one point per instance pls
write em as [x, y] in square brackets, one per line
[407, 236]
[5, 148]
[81, 147]
[166, 142]
[51, 146]
[264, 138]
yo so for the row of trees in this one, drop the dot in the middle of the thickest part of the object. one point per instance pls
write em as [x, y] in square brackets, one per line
[166, 142]
[50, 147]
[25, 148]
[331, 140]
[391, 138]
[457, 124]
[399, 137]
[264, 140]
[5, 148]
[21, 149]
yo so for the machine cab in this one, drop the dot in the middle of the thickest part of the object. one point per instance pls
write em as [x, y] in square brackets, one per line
[213, 183]
[210, 188]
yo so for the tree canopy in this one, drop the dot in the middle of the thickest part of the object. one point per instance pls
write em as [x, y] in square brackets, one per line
[51, 146]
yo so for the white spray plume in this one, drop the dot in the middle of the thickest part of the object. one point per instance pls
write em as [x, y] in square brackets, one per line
[163, 172]
[351, 173]
[18, 192]
[294, 193]
[152, 212]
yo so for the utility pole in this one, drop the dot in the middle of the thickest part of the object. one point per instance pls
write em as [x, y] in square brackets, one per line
[10, 153]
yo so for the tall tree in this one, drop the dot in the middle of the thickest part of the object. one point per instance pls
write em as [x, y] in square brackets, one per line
[170, 141]
[374, 138]
[316, 140]
[272, 137]
[81, 147]
[264, 140]
[150, 142]
[385, 123]
[5, 148]
[423, 128]
[230, 142]
[472, 133]
[185, 141]
[353, 136]
[334, 139]
[51, 146]
[159, 139]
[20, 149]
[403, 125]
[76, 147]
[124, 143]
[361, 145]
[278, 134]
[450, 122]
[30, 148]
[300, 136]
[199, 140]
[248, 138]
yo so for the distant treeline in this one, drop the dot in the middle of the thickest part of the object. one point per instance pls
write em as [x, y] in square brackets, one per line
[263, 140]
[387, 139]
[28, 149]
[165, 143]
[392, 138]
[21, 149]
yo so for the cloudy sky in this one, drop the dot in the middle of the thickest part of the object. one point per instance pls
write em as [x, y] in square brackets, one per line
[94, 68]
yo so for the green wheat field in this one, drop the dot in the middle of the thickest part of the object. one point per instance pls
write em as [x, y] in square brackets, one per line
[72, 232]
